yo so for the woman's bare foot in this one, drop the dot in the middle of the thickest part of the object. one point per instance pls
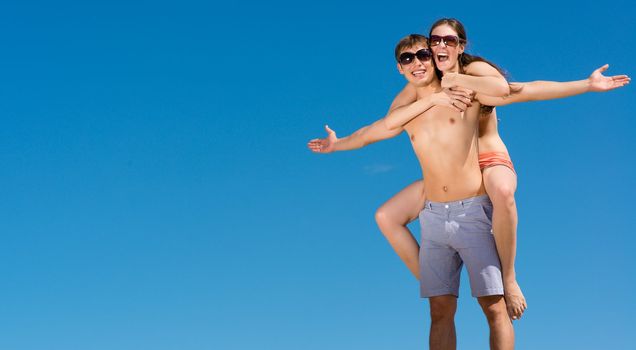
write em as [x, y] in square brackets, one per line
[515, 301]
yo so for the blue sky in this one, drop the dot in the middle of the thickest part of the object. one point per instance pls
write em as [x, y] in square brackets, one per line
[157, 191]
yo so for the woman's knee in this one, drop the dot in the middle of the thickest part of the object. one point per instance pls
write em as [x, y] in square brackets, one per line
[503, 193]
[386, 218]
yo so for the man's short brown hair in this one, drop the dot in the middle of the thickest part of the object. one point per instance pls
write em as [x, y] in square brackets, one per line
[409, 41]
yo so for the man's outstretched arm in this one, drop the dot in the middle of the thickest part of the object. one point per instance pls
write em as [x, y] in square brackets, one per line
[402, 110]
[366, 135]
[362, 137]
[549, 90]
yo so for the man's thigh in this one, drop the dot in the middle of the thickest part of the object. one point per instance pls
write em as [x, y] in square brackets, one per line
[476, 246]
[440, 264]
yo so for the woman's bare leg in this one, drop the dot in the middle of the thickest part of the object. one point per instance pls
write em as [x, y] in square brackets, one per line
[392, 218]
[501, 184]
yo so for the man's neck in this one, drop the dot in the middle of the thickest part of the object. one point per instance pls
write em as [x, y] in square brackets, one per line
[423, 91]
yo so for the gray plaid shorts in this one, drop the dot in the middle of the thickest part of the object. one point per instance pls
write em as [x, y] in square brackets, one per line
[454, 234]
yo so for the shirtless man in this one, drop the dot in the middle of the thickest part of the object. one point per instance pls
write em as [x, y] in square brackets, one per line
[445, 143]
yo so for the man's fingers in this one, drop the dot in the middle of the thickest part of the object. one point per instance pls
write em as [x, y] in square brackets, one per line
[460, 91]
[462, 96]
[622, 80]
[466, 101]
[462, 99]
[315, 143]
[451, 103]
[618, 82]
[317, 148]
[329, 131]
[459, 105]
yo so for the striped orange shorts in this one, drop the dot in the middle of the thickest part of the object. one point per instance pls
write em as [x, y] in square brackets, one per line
[488, 159]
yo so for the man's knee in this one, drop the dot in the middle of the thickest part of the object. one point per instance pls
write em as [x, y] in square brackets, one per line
[443, 308]
[494, 308]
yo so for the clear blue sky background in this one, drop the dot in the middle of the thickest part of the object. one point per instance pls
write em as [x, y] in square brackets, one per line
[157, 192]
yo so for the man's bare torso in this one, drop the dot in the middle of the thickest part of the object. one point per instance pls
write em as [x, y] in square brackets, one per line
[446, 146]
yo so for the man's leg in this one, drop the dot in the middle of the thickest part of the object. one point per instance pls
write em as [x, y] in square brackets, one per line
[392, 218]
[442, 335]
[502, 335]
[501, 184]
[477, 248]
[440, 270]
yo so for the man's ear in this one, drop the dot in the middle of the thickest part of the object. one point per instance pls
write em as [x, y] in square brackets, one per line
[399, 67]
